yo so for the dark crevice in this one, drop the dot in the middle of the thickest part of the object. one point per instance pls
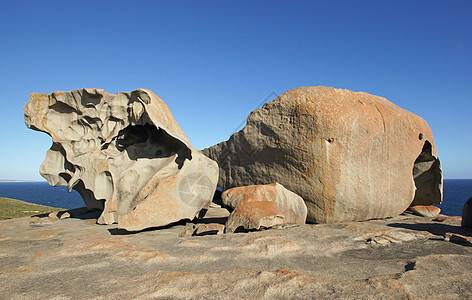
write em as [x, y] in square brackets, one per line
[147, 141]
[63, 108]
[410, 266]
[65, 176]
[120, 231]
[90, 99]
[89, 198]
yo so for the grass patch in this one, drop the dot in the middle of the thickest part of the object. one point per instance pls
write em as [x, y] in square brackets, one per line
[11, 208]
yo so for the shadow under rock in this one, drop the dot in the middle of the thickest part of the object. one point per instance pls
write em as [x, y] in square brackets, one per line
[434, 228]
[118, 231]
[219, 220]
[83, 213]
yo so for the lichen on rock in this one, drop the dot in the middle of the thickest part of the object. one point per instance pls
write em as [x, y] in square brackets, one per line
[351, 156]
[263, 206]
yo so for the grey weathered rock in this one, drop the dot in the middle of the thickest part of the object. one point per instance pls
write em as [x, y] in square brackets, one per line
[263, 206]
[124, 153]
[467, 214]
[208, 229]
[201, 229]
[349, 155]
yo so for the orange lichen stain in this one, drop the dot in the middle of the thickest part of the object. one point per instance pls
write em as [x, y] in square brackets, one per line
[285, 275]
[256, 210]
[38, 101]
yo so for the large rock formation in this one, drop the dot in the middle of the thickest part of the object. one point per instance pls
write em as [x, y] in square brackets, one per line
[467, 214]
[124, 153]
[263, 206]
[349, 155]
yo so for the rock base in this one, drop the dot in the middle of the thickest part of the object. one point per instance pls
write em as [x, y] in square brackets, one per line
[406, 257]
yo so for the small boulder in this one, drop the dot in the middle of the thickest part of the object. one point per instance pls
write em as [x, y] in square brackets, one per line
[263, 206]
[425, 210]
[54, 215]
[202, 229]
[64, 215]
[467, 214]
[208, 229]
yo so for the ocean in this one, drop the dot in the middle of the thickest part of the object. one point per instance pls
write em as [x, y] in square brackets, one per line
[456, 193]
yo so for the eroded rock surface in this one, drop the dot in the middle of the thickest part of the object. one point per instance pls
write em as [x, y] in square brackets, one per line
[407, 257]
[349, 155]
[263, 206]
[124, 153]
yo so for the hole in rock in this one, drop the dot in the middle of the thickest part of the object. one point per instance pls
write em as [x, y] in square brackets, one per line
[89, 198]
[147, 141]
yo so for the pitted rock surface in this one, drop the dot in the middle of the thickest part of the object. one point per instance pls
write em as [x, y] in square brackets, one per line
[124, 153]
[349, 155]
[263, 206]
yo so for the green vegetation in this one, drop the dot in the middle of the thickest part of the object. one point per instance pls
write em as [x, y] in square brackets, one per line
[11, 208]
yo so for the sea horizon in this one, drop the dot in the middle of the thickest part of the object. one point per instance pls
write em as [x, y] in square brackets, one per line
[456, 192]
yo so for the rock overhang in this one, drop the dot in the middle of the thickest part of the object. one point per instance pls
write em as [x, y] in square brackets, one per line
[121, 152]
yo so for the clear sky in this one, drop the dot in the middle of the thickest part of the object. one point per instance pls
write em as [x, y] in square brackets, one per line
[213, 62]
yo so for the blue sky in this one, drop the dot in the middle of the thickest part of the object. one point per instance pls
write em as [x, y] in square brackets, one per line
[213, 62]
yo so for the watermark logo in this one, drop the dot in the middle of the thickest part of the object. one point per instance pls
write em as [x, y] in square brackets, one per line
[273, 95]
[244, 152]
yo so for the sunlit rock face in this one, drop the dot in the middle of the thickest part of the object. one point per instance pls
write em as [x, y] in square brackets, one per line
[263, 206]
[351, 156]
[124, 153]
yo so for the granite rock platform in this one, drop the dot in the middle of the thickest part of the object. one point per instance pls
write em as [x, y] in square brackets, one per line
[406, 257]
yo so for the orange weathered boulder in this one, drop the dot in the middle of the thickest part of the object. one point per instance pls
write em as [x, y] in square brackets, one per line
[349, 155]
[263, 206]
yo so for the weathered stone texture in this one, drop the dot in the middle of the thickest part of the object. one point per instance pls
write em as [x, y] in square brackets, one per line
[349, 155]
[425, 210]
[406, 257]
[263, 206]
[124, 153]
